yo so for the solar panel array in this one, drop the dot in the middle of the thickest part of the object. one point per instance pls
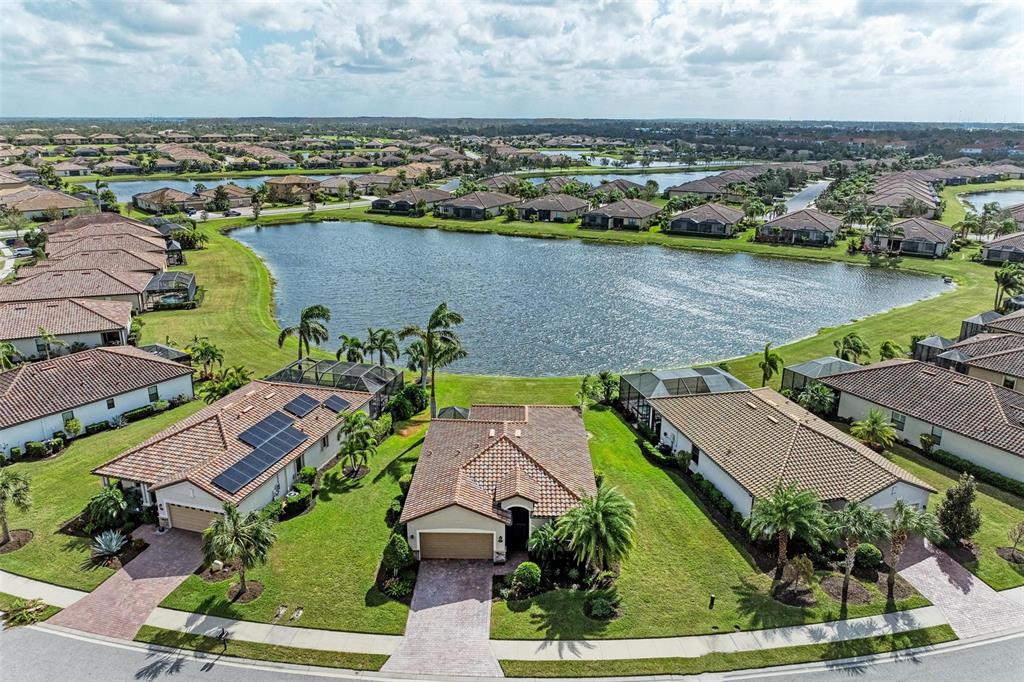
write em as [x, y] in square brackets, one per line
[269, 453]
[336, 404]
[301, 405]
[265, 429]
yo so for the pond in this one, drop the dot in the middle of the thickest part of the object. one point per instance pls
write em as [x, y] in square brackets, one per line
[1005, 198]
[664, 180]
[125, 190]
[536, 307]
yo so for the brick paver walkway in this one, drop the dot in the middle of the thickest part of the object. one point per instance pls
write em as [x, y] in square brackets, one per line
[972, 608]
[449, 623]
[120, 606]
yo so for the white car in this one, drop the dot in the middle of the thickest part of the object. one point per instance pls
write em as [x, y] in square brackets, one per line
[22, 252]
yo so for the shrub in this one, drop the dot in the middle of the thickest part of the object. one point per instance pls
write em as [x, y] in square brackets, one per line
[397, 556]
[274, 510]
[106, 509]
[981, 473]
[382, 427]
[96, 428]
[394, 512]
[400, 408]
[107, 544]
[160, 406]
[404, 482]
[868, 557]
[526, 578]
[59, 434]
[306, 475]
[958, 517]
[72, 427]
[399, 586]
[298, 503]
[646, 431]
[417, 397]
[601, 608]
[54, 445]
[138, 413]
[34, 448]
[15, 453]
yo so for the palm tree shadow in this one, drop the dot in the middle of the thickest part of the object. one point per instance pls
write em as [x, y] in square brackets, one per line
[399, 465]
[334, 482]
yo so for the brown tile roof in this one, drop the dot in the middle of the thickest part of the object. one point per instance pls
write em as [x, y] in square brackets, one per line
[804, 218]
[77, 222]
[205, 444]
[1012, 323]
[39, 199]
[75, 284]
[711, 213]
[106, 242]
[482, 200]
[628, 208]
[925, 230]
[954, 402]
[293, 180]
[53, 386]
[1014, 241]
[502, 450]
[760, 438]
[414, 195]
[556, 202]
[1002, 353]
[67, 316]
[111, 260]
[165, 195]
[106, 229]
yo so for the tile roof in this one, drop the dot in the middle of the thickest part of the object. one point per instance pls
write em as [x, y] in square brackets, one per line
[710, 213]
[1010, 242]
[106, 242]
[111, 260]
[538, 452]
[75, 284]
[416, 194]
[1012, 323]
[66, 316]
[165, 195]
[481, 200]
[555, 202]
[804, 218]
[205, 444]
[69, 381]
[760, 438]
[925, 230]
[952, 401]
[628, 208]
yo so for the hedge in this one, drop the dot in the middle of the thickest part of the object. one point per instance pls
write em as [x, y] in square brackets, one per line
[979, 472]
[34, 448]
[96, 428]
[138, 413]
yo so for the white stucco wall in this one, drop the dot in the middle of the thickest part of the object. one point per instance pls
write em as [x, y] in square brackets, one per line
[1005, 463]
[27, 347]
[456, 520]
[742, 501]
[885, 499]
[44, 427]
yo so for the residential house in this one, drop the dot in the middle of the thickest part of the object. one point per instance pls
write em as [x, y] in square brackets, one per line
[160, 200]
[618, 185]
[916, 237]
[1008, 248]
[75, 323]
[37, 203]
[290, 187]
[929, 348]
[67, 169]
[796, 377]
[745, 443]
[484, 484]
[714, 220]
[991, 321]
[638, 388]
[408, 201]
[110, 260]
[627, 214]
[965, 416]
[558, 208]
[997, 358]
[92, 386]
[806, 227]
[246, 448]
[115, 167]
[88, 284]
[237, 196]
[1017, 213]
[353, 161]
[475, 205]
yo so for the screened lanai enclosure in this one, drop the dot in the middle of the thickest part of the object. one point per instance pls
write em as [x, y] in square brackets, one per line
[636, 389]
[172, 289]
[381, 382]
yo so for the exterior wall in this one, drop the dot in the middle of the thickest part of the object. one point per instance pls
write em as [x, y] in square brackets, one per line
[996, 378]
[27, 347]
[742, 501]
[885, 499]
[186, 495]
[1008, 464]
[44, 427]
[456, 520]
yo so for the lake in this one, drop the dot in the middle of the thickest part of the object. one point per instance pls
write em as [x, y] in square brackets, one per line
[664, 180]
[536, 307]
[125, 190]
[1005, 198]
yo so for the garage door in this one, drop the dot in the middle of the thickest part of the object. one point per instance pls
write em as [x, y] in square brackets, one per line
[456, 546]
[187, 518]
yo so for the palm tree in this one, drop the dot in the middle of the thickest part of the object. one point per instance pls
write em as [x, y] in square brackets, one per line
[779, 209]
[788, 512]
[359, 445]
[417, 354]
[904, 521]
[771, 364]
[853, 524]
[1009, 280]
[607, 385]
[14, 491]
[206, 354]
[351, 347]
[223, 382]
[436, 336]
[876, 430]
[970, 223]
[232, 538]
[49, 341]
[7, 354]
[816, 397]
[600, 530]
[383, 342]
[890, 349]
[312, 327]
[851, 347]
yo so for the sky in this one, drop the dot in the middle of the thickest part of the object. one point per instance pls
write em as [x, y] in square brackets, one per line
[777, 59]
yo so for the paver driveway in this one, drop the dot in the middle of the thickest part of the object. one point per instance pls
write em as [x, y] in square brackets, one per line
[971, 606]
[449, 622]
[120, 606]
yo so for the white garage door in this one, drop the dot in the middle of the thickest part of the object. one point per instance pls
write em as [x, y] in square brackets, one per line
[189, 518]
[456, 546]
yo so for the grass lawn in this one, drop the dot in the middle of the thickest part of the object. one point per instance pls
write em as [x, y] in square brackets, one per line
[681, 558]
[9, 600]
[259, 651]
[955, 211]
[60, 488]
[722, 662]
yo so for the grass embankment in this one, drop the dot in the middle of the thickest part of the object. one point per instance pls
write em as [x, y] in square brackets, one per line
[955, 211]
[259, 651]
[60, 487]
[7, 601]
[722, 662]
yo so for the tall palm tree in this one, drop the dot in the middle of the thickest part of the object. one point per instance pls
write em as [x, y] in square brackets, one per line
[232, 537]
[970, 223]
[416, 352]
[904, 521]
[312, 328]
[853, 524]
[49, 341]
[816, 397]
[436, 336]
[788, 512]
[14, 490]
[7, 354]
[384, 342]
[601, 530]
[771, 364]
[851, 347]
[1009, 280]
[876, 430]
[206, 354]
[351, 347]
[359, 445]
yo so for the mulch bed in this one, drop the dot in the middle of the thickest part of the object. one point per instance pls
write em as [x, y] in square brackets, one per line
[901, 590]
[211, 576]
[794, 594]
[833, 587]
[19, 538]
[1014, 556]
[75, 527]
[253, 590]
[355, 475]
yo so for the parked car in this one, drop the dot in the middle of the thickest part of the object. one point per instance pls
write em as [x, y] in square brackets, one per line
[232, 213]
[22, 252]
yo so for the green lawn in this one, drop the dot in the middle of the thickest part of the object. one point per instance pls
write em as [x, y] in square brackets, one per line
[60, 488]
[955, 211]
[259, 651]
[721, 662]
[681, 559]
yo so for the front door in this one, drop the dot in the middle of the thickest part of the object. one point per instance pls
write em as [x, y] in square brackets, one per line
[518, 533]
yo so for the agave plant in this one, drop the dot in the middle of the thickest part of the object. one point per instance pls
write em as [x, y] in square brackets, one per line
[108, 544]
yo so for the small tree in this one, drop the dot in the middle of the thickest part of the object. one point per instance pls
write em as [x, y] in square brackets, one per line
[14, 490]
[1016, 536]
[958, 517]
[853, 524]
[786, 513]
[816, 397]
[585, 391]
[876, 430]
[106, 509]
[903, 522]
[600, 530]
[608, 386]
[232, 537]
[771, 364]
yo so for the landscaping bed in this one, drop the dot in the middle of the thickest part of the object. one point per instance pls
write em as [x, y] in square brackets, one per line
[19, 538]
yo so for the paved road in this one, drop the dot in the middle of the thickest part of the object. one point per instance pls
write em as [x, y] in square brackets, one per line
[246, 211]
[36, 655]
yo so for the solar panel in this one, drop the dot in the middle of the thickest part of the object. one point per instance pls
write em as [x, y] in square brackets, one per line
[265, 429]
[245, 470]
[336, 404]
[301, 405]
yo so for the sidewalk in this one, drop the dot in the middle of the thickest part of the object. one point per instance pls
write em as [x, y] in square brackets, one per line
[6, 262]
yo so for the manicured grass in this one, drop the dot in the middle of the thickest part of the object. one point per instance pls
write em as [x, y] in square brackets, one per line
[722, 662]
[681, 558]
[325, 560]
[60, 488]
[218, 175]
[8, 600]
[259, 651]
[955, 211]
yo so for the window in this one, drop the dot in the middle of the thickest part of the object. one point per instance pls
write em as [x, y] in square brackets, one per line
[1009, 382]
[899, 420]
[110, 403]
[695, 454]
[154, 394]
[67, 416]
[42, 346]
[325, 441]
[937, 435]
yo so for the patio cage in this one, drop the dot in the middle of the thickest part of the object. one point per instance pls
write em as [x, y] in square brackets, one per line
[381, 382]
[171, 289]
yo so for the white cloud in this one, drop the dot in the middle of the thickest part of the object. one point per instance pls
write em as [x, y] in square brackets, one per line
[736, 58]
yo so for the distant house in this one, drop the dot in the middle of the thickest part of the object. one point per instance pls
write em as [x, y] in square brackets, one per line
[158, 200]
[237, 196]
[76, 323]
[620, 185]
[713, 220]
[638, 388]
[498, 183]
[390, 161]
[92, 386]
[558, 183]
[997, 358]
[557, 208]
[476, 205]
[966, 416]
[291, 187]
[977, 324]
[930, 347]
[67, 169]
[1009, 248]
[806, 227]
[353, 161]
[365, 184]
[747, 442]
[1017, 213]
[796, 377]
[916, 237]
[627, 214]
[115, 167]
[407, 201]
